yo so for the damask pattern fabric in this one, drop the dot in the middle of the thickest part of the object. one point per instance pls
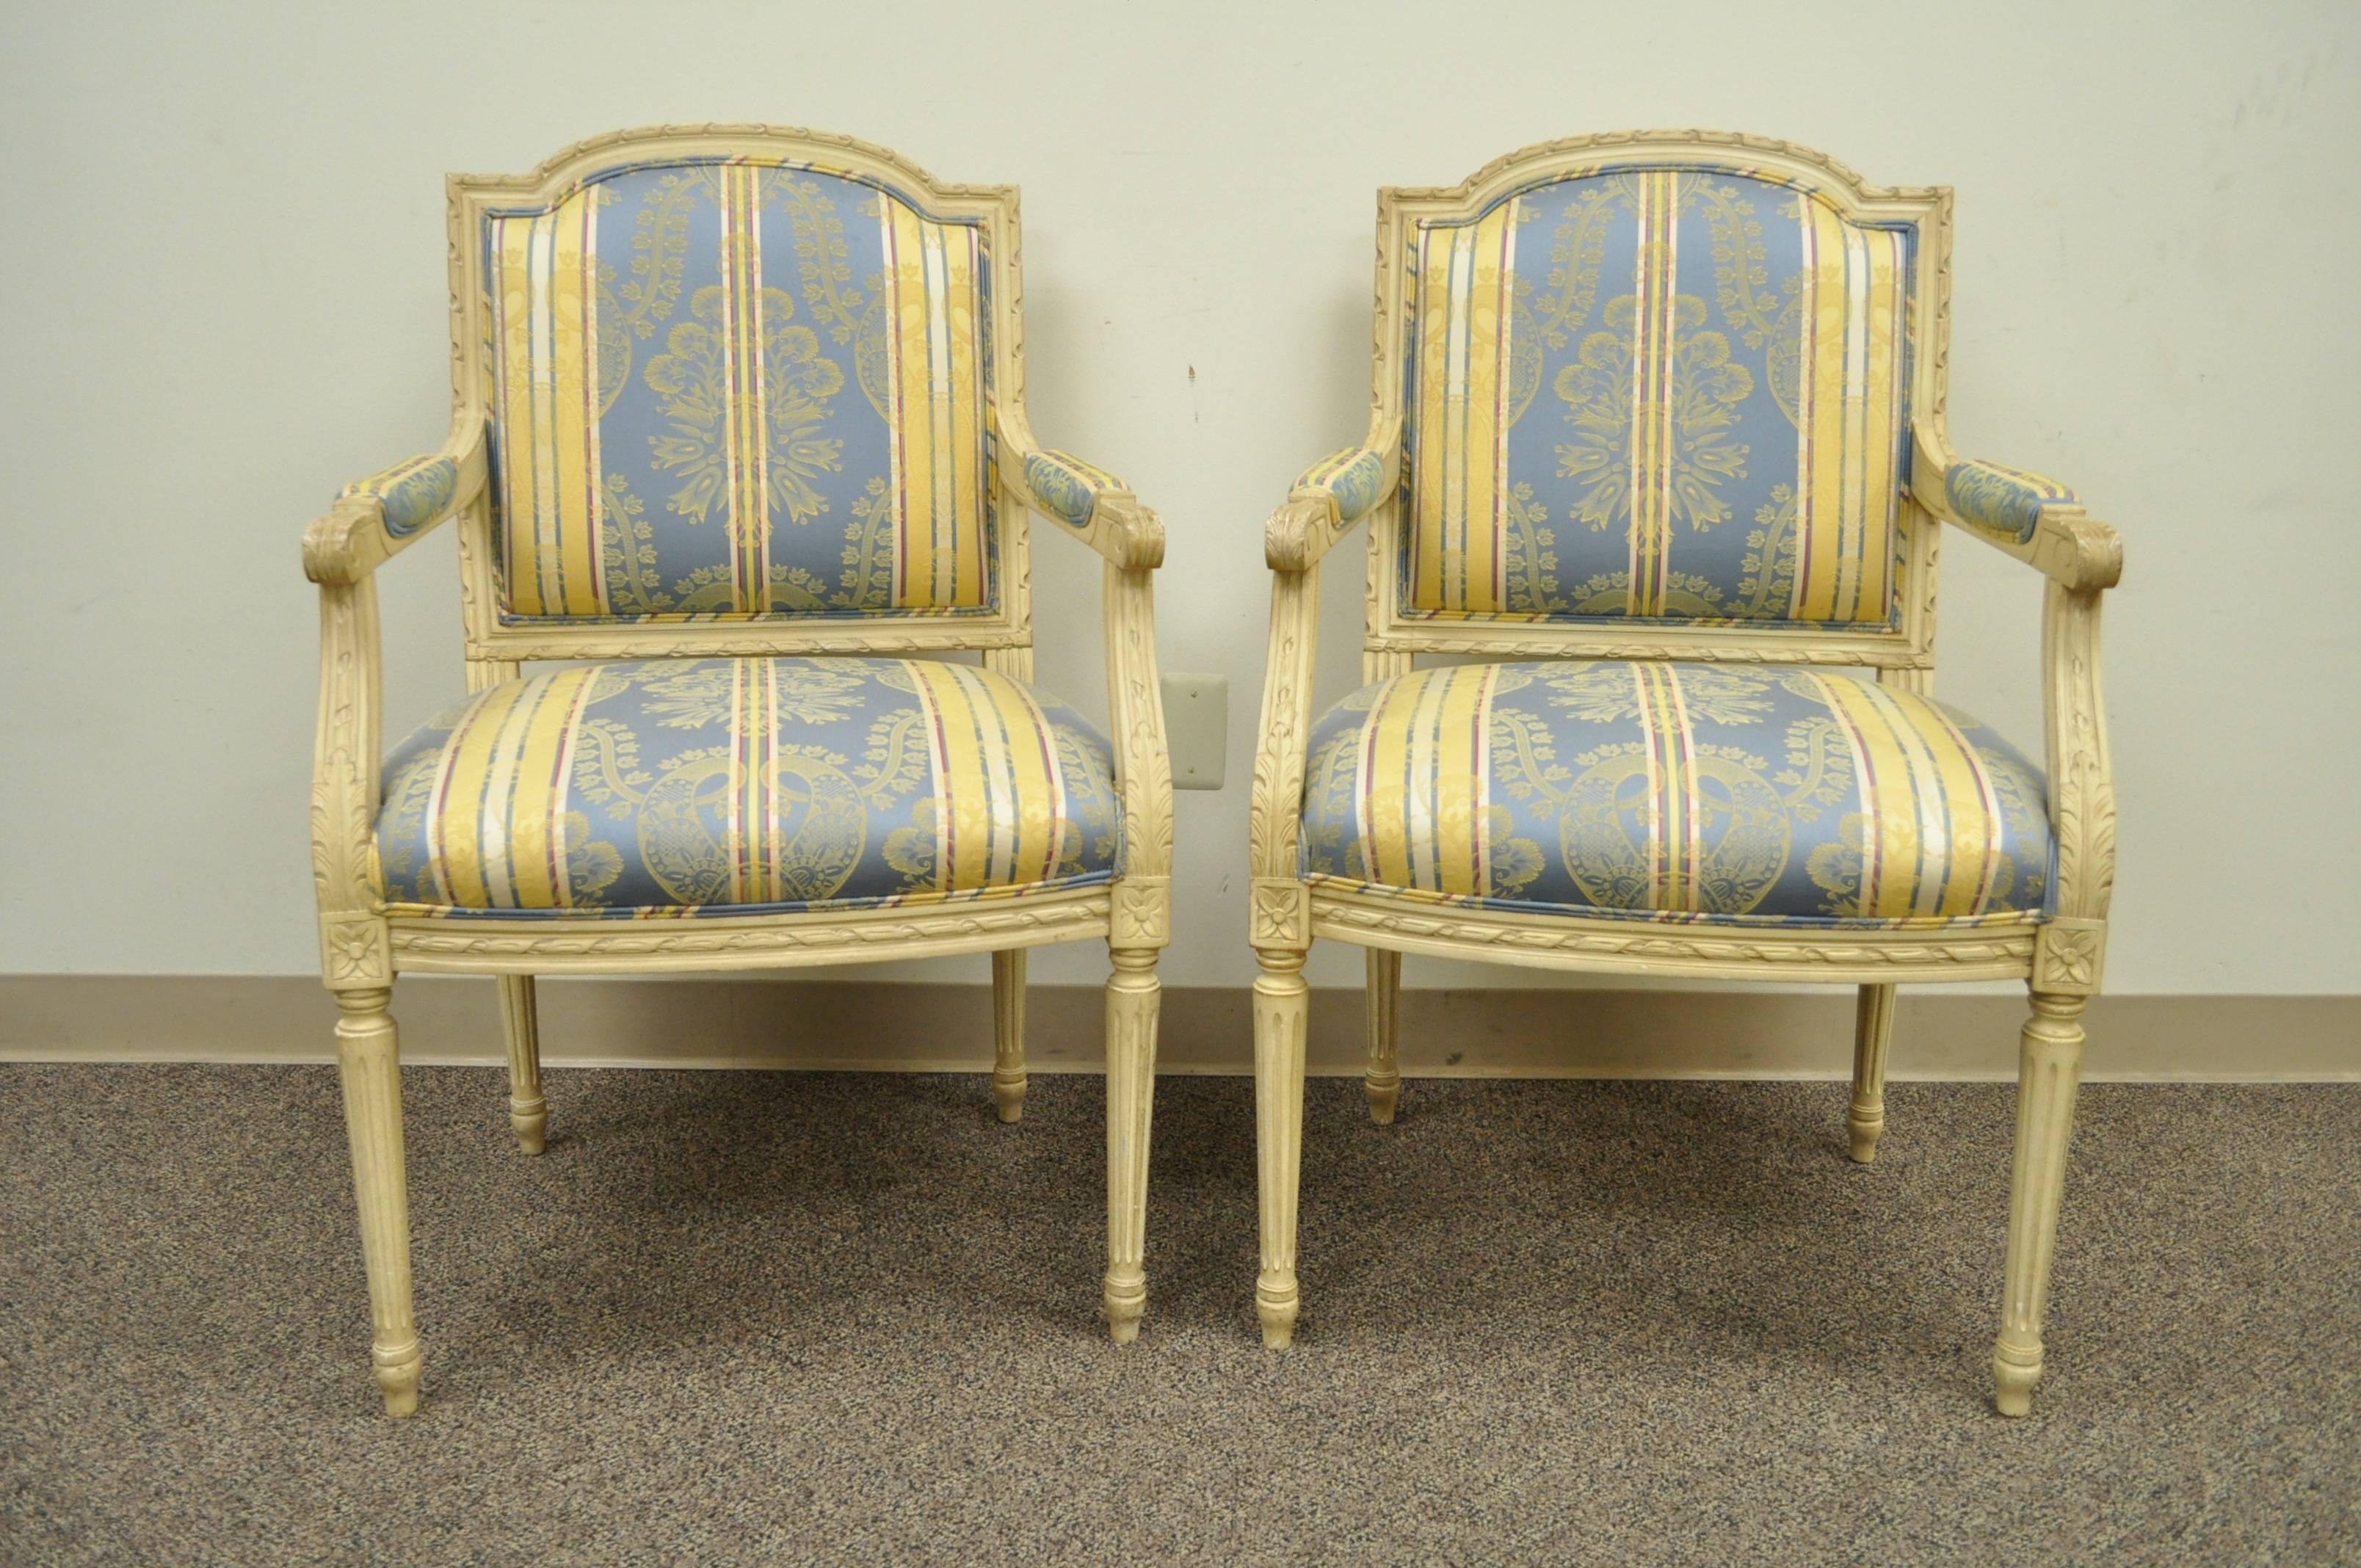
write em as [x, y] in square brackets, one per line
[2005, 501]
[1068, 487]
[1658, 394]
[736, 786]
[1352, 479]
[729, 390]
[413, 492]
[1696, 793]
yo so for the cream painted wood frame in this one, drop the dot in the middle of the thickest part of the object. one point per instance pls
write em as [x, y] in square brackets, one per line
[362, 950]
[2060, 960]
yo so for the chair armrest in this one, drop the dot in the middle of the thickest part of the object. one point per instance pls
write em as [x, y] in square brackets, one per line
[1325, 500]
[2024, 514]
[376, 518]
[1096, 507]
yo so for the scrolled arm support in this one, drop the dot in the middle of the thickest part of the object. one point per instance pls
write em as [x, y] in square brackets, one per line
[1328, 499]
[2041, 522]
[375, 519]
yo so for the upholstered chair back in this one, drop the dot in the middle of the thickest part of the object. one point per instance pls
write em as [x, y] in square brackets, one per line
[737, 390]
[1669, 394]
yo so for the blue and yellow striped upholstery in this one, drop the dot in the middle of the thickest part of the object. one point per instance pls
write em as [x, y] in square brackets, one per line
[1657, 394]
[739, 388]
[1676, 792]
[1350, 478]
[2005, 501]
[413, 492]
[735, 787]
[1067, 488]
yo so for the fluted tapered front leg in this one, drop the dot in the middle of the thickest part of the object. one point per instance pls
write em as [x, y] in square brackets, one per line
[1282, 1011]
[1008, 1033]
[1384, 1080]
[2049, 1067]
[1873, 1031]
[528, 1111]
[368, 1056]
[1133, 992]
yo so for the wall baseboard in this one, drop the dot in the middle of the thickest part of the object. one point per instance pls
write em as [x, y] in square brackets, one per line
[823, 1026]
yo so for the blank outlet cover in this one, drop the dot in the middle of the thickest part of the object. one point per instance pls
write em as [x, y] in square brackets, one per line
[1197, 727]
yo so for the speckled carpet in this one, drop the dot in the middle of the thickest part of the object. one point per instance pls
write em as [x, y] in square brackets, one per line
[765, 1317]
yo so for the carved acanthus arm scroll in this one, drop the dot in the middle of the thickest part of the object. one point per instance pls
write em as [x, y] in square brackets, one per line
[2022, 514]
[375, 519]
[1085, 501]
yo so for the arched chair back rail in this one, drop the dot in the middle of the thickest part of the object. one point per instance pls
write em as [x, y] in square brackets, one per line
[1657, 433]
[738, 450]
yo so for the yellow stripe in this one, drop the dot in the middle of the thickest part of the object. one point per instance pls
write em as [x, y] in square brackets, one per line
[1932, 841]
[1653, 348]
[500, 793]
[1434, 335]
[1848, 422]
[1424, 782]
[571, 532]
[520, 508]
[1000, 800]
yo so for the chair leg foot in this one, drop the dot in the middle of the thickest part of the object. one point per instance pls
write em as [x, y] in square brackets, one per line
[397, 1377]
[2016, 1367]
[1009, 1096]
[1277, 1304]
[531, 1120]
[1385, 1099]
[1865, 1131]
[1126, 1303]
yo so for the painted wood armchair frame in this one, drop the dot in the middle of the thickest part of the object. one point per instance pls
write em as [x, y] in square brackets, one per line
[362, 949]
[2060, 960]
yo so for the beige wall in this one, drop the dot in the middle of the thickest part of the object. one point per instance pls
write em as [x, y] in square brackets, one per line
[223, 288]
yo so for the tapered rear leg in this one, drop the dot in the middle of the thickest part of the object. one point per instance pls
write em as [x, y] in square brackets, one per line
[1008, 1033]
[519, 1018]
[1384, 1080]
[1873, 1031]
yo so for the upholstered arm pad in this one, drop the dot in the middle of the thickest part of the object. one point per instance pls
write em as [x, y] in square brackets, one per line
[1098, 507]
[375, 518]
[1353, 480]
[1327, 499]
[2037, 519]
[1067, 488]
[2005, 502]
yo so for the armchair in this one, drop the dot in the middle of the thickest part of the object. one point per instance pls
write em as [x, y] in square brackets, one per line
[738, 416]
[1657, 433]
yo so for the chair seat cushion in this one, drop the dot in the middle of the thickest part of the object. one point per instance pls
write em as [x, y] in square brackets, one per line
[1676, 792]
[736, 786]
